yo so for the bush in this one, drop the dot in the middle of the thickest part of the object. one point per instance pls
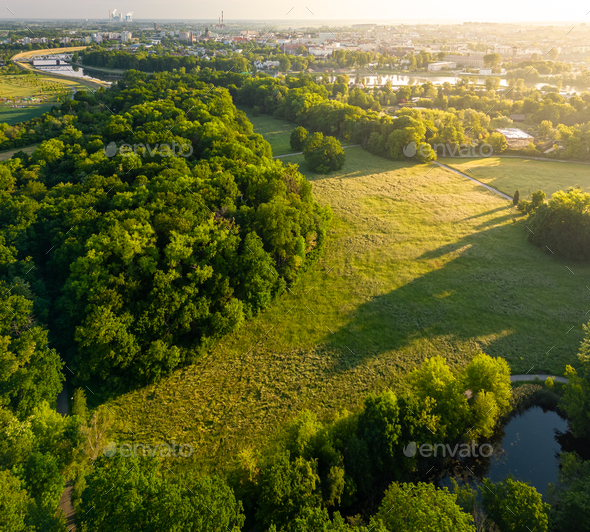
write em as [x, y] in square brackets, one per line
[323, 154]
[256, 111]
[516, 197]
[298, 138]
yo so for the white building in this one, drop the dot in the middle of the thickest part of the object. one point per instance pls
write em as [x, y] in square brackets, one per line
[126, 36]
[439, 65]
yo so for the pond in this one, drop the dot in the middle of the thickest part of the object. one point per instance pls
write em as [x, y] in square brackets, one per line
[530, 448]
[526, 448]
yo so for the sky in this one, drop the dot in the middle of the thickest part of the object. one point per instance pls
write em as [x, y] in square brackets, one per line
[573, 11]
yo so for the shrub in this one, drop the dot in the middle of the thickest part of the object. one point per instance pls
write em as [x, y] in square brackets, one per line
[298, 138]
[256, 111]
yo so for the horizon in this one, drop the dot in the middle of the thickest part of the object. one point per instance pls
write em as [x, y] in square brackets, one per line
[528, 12]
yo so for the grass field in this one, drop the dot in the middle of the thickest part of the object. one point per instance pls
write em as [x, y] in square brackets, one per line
[5, 155]
[419, 262]
[526, 175]
[36, 92]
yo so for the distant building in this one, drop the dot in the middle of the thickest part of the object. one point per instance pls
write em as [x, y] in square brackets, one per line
[485, 71]
[126, 36]
[439, 65]
[518, 118]
[471, 61]
[516, 138]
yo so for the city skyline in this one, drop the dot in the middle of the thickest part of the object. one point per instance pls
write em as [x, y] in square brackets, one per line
[372, 10]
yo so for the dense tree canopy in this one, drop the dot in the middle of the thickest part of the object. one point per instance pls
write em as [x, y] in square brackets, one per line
[148, 255]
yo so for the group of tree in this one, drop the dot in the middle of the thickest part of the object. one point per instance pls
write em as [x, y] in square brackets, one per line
[322, 154]
[561, 224]
[146, 256]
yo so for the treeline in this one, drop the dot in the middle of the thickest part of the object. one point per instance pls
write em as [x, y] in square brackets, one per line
[561, 225]
[145, 62]
[145, 257]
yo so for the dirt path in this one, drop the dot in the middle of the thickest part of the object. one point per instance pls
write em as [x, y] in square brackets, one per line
[491, 189]
[532, 377]
[65, 503]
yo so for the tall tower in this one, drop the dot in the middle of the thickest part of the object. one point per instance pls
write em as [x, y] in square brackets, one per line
[222, 24]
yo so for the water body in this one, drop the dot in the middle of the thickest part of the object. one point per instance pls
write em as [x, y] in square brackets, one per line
[530, 448]
[76, 72]
[398, 80]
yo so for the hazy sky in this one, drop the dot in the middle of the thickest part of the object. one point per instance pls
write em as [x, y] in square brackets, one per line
[431, 10]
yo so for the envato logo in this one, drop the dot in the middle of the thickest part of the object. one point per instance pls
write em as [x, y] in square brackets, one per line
[459, 150]
[184, 450]
[163, 150]
[464, 450]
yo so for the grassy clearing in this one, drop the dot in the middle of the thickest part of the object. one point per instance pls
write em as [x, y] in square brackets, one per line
[5, 155]
[526, 175]
[23, 97]
[277, 132]
[407, 274]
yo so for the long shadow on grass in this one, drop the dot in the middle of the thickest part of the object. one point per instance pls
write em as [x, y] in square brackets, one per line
[498, 295]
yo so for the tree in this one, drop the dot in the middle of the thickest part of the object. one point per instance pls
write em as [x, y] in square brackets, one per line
[323, 154]
[516, 197]
[553, 54]
[287, 488]
[570, 496]
[434, 379]
[421, 508]
[489, 381]
[142, 498]
[545, 128]
[492, 60]
[298, 138]
[256, 111]
[285, 63]
[515, 506]
[15, 504]
[498, 142]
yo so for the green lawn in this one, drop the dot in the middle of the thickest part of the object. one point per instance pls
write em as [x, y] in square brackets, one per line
[277, 132]
[419, 262]
[11, 116]
[526, 175]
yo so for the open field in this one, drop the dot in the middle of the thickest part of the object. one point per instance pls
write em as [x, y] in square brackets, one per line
[526, 175]
[5, 155]
[37, 93]
[419, 262]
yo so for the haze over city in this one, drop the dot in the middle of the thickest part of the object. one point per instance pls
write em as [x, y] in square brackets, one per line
[369, 10]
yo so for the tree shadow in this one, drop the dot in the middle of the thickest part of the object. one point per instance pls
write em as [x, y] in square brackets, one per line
[482, 299]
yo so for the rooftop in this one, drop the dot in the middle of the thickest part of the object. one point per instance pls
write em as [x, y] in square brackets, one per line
[514, 133]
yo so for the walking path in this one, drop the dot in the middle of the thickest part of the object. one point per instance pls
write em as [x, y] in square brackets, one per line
[65, 503]
[531, 377]
[300, 152]
[491, 189]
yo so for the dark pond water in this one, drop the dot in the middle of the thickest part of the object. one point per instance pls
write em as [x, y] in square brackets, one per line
[530, 449]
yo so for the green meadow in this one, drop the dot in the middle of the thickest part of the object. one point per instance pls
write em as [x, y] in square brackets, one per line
[527, 175]
[419, 262]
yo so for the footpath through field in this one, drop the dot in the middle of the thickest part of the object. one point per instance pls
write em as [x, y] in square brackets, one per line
[491, 189]
[301, 153]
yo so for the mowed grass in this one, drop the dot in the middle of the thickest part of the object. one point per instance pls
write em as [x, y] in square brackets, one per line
[526, 175]
[419, 262]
